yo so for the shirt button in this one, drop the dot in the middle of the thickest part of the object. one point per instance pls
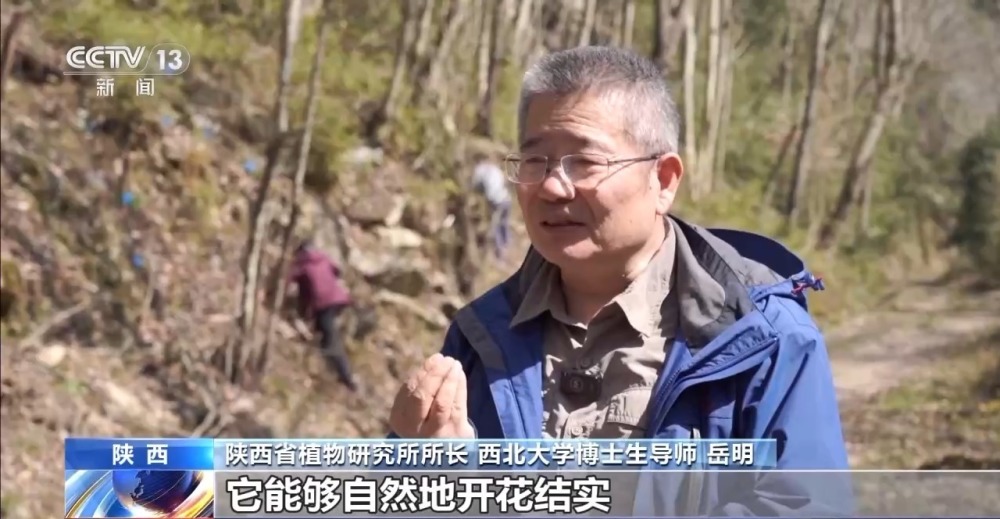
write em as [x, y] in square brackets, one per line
[576, 430]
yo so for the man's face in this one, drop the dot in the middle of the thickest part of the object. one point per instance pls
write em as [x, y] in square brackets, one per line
[602, 219]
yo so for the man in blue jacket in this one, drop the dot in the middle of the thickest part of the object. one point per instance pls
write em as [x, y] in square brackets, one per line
[627, 322]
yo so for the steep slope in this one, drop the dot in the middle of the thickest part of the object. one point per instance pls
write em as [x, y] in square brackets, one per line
[120, 261]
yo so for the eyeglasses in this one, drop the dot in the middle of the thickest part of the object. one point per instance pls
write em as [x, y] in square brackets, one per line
[526, 168]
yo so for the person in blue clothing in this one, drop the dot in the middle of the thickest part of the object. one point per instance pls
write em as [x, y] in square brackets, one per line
[625, 321]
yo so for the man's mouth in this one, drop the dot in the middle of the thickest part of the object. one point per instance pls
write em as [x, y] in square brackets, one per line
[560, 222]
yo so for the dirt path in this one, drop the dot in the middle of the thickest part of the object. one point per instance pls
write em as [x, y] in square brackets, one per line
[910, 332]
[916, 330]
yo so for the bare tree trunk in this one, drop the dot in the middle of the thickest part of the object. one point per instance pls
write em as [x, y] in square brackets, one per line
[706, 152]
[787, 71]
[851, 77]
[628, 23]
[425, 32]
[483, 50]
[771, 186]
[919, 220]
[726, 60]
[617, 23]
[489, 58]
[509, 14]
[465, 248]
[802, 162]
[866, 202]
[502, 28]
[433, 85]
[880, 51]
[259, 362]
[465, 74]
[661, 33]
[10, 41]
[857, 168]
[587, 25]
[565, 15]
[714, 124]
[255, 240]
[523, 35]
[690, 106]
[293, 25]
[890, 92]
[668, 27]
[712, 77]
[880, 57]
[407, 38]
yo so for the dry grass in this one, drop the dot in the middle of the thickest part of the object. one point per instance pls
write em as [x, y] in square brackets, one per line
[949, 418]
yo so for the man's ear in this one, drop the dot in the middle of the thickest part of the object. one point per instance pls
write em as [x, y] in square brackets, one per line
[669, 171]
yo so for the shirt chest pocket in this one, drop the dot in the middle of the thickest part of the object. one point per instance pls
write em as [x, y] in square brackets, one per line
[627, 414]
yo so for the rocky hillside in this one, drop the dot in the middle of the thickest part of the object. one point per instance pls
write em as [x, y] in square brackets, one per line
[121, 271]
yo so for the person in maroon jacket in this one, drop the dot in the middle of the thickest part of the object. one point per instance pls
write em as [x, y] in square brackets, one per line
[322, 296]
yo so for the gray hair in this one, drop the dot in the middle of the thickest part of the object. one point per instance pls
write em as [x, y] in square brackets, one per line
[649, 113]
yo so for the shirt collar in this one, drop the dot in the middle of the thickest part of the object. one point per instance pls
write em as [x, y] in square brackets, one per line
[545, 288]
[643, 299]
[640, 303]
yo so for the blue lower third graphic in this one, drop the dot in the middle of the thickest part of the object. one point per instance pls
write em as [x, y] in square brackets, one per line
[139, 493]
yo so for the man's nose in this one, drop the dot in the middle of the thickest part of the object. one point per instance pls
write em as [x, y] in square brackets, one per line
[556, 186]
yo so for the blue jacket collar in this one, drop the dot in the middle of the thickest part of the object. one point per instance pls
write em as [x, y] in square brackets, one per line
[512, 357]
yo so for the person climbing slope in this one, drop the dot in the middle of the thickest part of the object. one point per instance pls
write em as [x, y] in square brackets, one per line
[489, 180]
[322, 296]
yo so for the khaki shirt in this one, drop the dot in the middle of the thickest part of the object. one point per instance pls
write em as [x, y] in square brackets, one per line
[625, 343]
